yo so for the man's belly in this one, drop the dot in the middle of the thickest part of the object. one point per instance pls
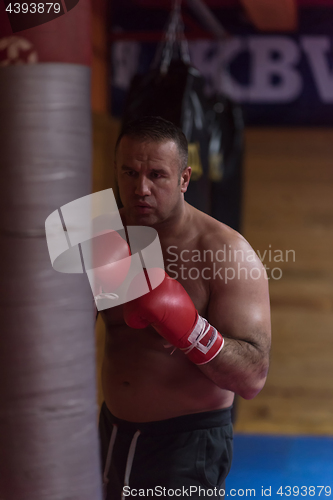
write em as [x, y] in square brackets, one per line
[142, 382]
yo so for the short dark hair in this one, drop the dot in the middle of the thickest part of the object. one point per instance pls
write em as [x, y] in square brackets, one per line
[156, 129]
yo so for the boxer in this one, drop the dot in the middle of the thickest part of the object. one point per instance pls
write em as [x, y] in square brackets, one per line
[175, 357]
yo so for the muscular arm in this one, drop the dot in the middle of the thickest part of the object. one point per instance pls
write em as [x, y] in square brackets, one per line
[240, 311]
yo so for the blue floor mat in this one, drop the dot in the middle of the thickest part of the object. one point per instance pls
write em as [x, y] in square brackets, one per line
[281, 467]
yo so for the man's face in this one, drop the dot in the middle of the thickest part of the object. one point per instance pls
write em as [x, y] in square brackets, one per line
[148, 178]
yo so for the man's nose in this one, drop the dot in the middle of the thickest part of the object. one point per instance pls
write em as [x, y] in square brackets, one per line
[142, 186]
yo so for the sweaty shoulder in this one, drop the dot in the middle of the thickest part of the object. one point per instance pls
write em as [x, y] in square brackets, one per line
[222, 243]
[211, 233]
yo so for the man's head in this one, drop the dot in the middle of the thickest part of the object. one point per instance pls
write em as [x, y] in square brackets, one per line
[152, 172]
[156, 129]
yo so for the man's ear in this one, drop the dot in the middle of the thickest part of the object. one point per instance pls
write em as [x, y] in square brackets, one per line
[185, 179]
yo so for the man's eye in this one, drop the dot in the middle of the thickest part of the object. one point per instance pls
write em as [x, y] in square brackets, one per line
[130, 173]
[156, 175]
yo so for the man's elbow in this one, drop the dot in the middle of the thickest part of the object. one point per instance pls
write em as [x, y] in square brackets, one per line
[253, 391]
[254, 385]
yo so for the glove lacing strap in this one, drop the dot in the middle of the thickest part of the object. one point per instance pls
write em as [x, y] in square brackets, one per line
[200, 330]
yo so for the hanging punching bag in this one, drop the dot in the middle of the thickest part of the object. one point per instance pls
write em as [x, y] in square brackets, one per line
[48, 432]
[226, 151]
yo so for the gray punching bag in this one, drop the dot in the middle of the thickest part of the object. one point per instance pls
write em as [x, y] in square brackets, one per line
[48, 433]
[48, 411]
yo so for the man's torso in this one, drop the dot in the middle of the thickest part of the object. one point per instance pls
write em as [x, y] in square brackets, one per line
[143, 379]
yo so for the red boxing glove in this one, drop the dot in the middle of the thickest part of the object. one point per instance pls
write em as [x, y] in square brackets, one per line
[170, 310]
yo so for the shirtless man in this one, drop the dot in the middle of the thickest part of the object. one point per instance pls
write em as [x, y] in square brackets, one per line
[165, 423]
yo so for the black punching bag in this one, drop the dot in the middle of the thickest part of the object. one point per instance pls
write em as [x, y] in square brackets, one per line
[226, 152]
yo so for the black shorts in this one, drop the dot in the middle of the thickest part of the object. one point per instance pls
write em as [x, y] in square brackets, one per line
[181, 457]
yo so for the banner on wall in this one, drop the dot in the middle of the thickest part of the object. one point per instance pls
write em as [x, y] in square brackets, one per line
[280, 79]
